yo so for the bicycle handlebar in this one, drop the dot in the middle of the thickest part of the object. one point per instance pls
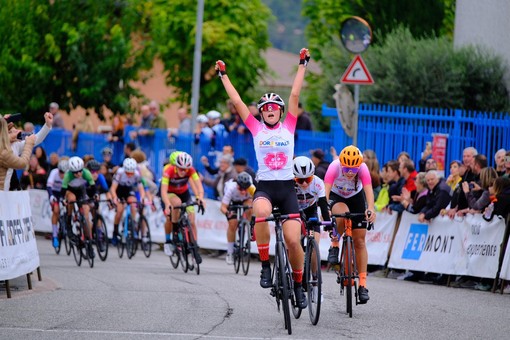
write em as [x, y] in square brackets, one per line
[278, 217]
[237, 206]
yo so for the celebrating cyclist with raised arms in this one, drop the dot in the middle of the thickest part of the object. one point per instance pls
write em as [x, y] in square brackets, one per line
[174, 192]
[237, 192]
[274, 148]
[349, 189]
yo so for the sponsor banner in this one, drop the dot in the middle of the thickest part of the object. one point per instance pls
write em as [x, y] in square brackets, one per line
[18, 247]
[467, 247]
[505, 267]
[378, 240]
[439, 151]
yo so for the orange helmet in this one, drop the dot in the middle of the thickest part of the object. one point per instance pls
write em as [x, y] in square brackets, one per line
[351, 157]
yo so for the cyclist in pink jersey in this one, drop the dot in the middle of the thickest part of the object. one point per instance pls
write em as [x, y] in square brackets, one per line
[274, 147]
[345, 193]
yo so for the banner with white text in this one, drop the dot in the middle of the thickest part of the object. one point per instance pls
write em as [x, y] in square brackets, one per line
[470, 246]
[18, 247]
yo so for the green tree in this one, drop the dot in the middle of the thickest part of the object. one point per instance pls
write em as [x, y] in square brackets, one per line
[78, 53]
[233, 31]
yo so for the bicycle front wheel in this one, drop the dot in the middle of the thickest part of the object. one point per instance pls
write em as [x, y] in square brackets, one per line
[65, 233]
[193, 247]
[238, 248]
[146, 240]
[284, 286]
[101, 237]
[346, 267]
[313, 280]
[245, 249]
[130, 239]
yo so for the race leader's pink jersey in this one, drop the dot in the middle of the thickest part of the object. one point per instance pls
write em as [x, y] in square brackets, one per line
[274, 148]
[341, 185]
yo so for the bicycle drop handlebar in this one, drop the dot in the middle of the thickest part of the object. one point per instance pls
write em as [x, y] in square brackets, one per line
[274, 217]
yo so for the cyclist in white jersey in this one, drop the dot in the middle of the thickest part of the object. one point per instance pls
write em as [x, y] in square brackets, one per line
[274, 148]
[237, 192]
[54, 187]
[349, 189]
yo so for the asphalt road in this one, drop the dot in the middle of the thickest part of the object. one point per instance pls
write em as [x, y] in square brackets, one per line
[147, 299]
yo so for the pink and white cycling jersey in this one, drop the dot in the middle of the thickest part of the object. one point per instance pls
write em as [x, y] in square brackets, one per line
[311, 194]
[341, 185]
[274, 148]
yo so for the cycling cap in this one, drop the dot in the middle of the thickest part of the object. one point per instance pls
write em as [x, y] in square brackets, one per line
[202, 119]
[303, 167]
[93, 165]
[173, 156]
[75, 164]
[107, 151]
[184, 161]
[213, 114]
[244, 180]
[129, 165]
[271, 98]
[63, 165]
[351, 157]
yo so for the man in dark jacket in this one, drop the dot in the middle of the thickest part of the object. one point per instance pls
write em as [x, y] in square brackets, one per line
[321, 166]
[438, 197]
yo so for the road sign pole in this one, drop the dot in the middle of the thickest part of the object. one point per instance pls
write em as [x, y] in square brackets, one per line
[355, 118]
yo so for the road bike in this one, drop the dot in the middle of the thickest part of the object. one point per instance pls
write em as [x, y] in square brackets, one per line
[347, 271]
[281, 277]
[312, 275]
[186, 247]
[80, 248]
[99, 230]
[242, 243]
[128, 238]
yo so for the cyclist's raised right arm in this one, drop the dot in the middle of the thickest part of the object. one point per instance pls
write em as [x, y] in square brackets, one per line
[241, 107]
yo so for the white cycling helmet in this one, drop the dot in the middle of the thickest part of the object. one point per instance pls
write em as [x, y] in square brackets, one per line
[75, 164]
[202, 119]
[213, 114]
[63, 165]
[129, 165]
[271, 98]
[303, 167]
[184, 161]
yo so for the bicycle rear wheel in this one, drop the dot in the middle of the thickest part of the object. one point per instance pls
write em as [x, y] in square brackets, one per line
[146, 241]
[283, 286]
[245, 249]
[101, 237]
[313, 280]
[346, 268]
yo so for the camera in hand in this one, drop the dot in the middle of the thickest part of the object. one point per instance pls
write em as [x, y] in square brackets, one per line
[15, 117]
[471, 186]
[22, 135]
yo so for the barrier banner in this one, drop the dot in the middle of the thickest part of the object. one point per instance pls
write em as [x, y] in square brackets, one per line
[18, 247]
[379, 239]
[41, 210]
[467, 247]
[505, 267]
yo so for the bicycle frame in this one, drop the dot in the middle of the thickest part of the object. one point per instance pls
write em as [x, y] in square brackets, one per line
[283, 284]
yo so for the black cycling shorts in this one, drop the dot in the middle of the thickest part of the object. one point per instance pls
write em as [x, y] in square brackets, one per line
[280, 193]
[124, 191]
[355, 204]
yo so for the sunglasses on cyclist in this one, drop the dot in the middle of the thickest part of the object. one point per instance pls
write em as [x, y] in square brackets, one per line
[271, 107]
[349, 171]
[76, 172]
[304, 180]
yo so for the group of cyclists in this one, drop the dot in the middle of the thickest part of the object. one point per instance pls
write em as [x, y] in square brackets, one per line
[283, 181]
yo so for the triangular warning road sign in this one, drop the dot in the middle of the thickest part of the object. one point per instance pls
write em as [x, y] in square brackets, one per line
[357, 73]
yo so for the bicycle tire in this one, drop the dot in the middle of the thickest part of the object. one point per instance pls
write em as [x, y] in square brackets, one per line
[75, 247]
[245, 250]
[183, 250]
[284, 287]
[175, 259]
[146, 246]
[65, 233]
[130, 239]
[192, 243]
[347, 269]
[120, 241]
[238, 248]
[314, 298]
[101, 237]
[89, 248]
[60, 235]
